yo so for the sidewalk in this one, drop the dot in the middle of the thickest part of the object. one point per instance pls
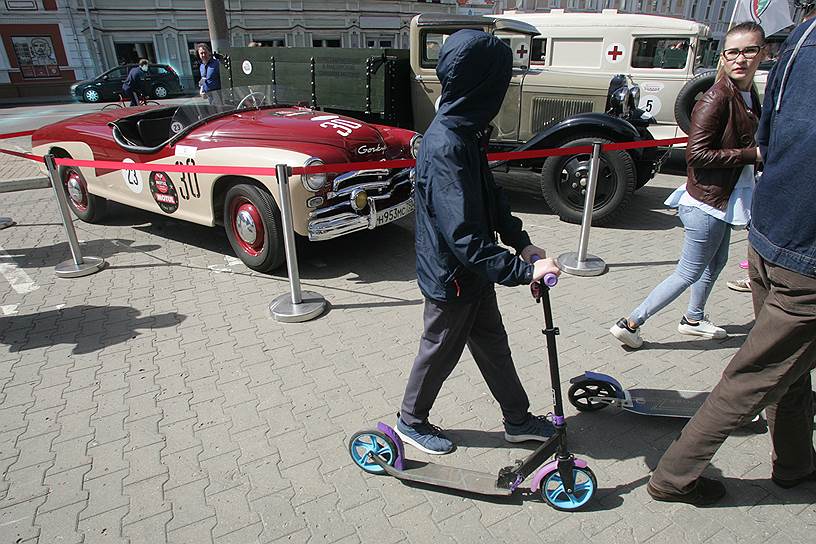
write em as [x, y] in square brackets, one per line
[157, 401]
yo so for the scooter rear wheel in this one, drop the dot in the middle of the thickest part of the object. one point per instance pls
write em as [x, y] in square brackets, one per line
[372, 442]
[552, 489]
[580, 392]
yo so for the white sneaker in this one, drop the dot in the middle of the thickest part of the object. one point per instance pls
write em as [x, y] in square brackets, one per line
[622, 331]
[704, 328]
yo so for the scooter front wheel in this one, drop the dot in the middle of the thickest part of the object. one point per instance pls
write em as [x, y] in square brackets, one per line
[581, 394]
[364, 444]
[552, 489]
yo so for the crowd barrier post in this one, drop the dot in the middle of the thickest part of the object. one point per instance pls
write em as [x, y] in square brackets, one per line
[296, 306]
[6, 222]
[583, 263]
[78, 266]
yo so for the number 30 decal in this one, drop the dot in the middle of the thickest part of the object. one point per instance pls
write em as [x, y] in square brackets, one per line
[189, 182]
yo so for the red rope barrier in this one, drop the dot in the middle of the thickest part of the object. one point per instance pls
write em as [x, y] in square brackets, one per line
[332, 168]
[16, 134]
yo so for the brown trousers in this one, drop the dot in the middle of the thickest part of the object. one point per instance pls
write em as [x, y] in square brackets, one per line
[771, 371]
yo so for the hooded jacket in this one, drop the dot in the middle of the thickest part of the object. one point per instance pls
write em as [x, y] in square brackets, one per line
[459, 209]
[783, 215]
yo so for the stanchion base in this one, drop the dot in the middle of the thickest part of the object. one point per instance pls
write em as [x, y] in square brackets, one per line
[284, 310]
[591, 266]
[69, 269]
[6, 222]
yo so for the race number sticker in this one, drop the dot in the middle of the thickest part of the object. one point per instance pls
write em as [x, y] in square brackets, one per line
[614, 53]
[133, 178]
[650, 104]
[246, 67]
[163, 191]
[343, 127]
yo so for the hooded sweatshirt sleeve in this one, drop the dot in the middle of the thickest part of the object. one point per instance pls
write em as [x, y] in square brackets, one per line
[460, 216]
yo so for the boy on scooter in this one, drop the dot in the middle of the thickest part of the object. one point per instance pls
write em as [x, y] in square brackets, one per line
[459, 211]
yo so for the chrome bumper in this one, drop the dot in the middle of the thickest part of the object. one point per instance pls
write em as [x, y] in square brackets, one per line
[344, 223]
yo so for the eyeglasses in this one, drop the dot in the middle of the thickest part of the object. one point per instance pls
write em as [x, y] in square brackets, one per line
[749, 52]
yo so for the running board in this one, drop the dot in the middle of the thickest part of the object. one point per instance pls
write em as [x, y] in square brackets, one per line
[445, 476]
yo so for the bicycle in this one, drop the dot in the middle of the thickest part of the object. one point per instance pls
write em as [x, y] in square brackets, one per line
[124, 102]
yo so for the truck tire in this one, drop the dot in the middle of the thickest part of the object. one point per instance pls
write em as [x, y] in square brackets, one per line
[689, 95]
[562, 188]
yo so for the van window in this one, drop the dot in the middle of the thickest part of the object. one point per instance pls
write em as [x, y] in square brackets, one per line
[431, 44]
[539, 53]
[666, 53]
[576, 53]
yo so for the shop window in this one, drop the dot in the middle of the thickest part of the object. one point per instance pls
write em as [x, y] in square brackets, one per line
[326, 43]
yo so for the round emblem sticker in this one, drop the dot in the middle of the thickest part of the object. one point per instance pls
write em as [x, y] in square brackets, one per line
[133, 178]
[246, 66]
[614, 53]
[650, 104]
[164, 192]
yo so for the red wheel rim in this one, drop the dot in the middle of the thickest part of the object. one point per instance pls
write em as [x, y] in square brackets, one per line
[247, 226]
[76, 190]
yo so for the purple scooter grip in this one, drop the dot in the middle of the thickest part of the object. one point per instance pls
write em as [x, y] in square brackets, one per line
[549, 279]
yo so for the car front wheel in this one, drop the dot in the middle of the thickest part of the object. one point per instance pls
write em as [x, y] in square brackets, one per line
[91, 95]
[564, 182]
[160, 91]
[253, 225]
[85, 206]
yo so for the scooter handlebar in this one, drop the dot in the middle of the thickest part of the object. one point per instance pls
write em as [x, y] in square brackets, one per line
[549, 279]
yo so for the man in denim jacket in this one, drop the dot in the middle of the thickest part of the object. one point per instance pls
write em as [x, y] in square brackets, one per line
[771, 371]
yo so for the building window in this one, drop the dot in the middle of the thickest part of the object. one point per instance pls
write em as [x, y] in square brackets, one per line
[21, 5]
[708, 10]
[722, 10]
[326, 42]
[131, 53]
[380, 43]
[693, 12]
[35, 56]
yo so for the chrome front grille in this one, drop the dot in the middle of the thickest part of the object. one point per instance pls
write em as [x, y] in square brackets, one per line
[385, 187]
[548, 111]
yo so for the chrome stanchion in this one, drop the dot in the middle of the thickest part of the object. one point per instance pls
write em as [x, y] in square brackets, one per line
[6, 222]
[582, 263]
[298, 305]
[79, 265]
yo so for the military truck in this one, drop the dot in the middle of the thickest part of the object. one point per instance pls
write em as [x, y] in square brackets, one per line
[400, 88]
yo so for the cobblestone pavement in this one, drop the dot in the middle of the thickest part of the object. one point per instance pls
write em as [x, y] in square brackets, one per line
[157, 401]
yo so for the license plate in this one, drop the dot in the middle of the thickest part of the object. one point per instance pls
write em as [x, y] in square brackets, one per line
[392, 214]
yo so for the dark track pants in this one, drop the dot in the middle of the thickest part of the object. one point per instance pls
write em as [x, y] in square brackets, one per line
[770, 371]
[448, 327]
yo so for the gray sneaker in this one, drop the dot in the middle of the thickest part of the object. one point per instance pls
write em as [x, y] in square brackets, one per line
[535, 428]
[424, 437]
[704, 328]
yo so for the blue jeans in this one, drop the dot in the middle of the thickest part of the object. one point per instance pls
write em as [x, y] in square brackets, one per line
[705, 252]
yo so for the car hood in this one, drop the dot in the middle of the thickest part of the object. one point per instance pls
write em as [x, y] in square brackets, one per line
[357, 138]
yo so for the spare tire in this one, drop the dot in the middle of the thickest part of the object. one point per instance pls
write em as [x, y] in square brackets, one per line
[689, 95]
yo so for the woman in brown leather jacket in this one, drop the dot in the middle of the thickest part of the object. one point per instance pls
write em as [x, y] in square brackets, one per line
[721, 154]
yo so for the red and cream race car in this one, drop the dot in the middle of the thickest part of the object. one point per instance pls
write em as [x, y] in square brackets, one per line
[237, 128]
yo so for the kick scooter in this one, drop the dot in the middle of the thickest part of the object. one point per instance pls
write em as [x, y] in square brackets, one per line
[592, 391]
[565, 482]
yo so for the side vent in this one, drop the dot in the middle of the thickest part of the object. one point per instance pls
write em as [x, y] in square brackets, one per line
[548, 111]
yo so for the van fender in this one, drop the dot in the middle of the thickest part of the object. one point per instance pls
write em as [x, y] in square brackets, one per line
[581, 126]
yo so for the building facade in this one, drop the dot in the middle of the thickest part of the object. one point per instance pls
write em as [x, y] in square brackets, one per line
[49, 44]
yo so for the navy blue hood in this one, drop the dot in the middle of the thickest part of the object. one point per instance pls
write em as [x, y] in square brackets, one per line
[475, 70]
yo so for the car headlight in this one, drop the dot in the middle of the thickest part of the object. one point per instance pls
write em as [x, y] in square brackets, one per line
[415, 141]
[634, 90]
[314, 182]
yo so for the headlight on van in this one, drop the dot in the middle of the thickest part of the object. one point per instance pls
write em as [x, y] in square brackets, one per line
[314, 182]
[415, 142]
[634, 90]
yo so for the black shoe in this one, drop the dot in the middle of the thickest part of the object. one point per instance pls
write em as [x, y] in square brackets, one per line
[787, 484]
[706, 491]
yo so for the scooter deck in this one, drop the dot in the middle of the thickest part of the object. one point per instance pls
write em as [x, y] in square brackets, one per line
[666, 403]
[482, 483]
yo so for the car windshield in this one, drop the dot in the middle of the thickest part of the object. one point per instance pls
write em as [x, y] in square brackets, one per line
[219, 102]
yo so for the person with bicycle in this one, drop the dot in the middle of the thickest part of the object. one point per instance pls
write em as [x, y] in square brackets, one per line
[134, 86]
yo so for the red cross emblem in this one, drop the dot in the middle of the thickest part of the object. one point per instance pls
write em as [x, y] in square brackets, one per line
[521, 51]
[614, 52]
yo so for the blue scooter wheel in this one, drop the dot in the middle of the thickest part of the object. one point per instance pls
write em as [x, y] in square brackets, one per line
[552, 489]
[580, 394]
[372, 442]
